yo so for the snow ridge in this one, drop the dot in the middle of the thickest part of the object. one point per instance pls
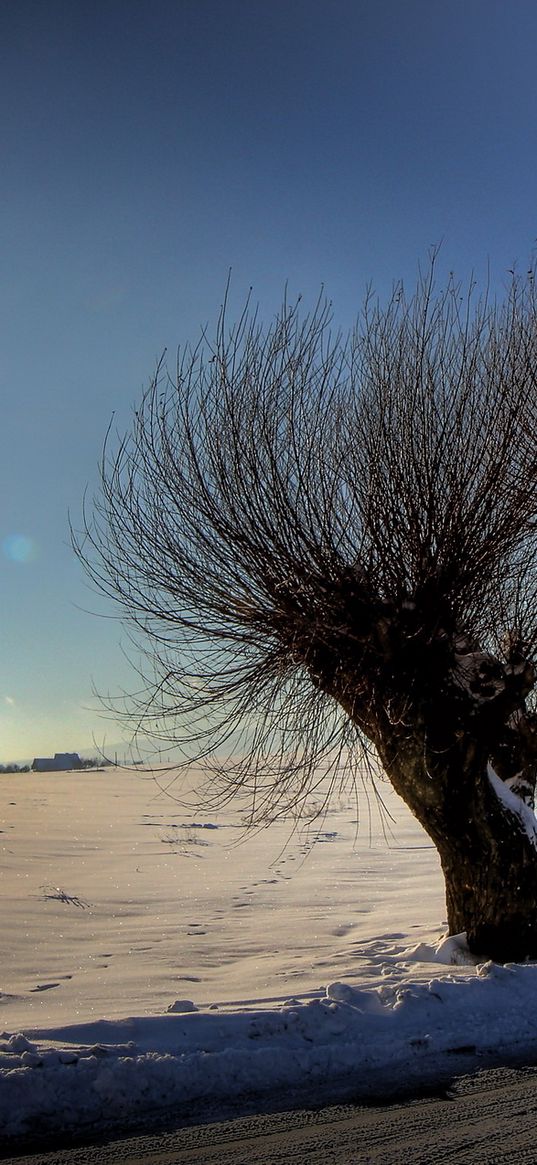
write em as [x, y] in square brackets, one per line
[62, 1079]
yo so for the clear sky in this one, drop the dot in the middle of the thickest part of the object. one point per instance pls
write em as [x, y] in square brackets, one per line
[150, 145]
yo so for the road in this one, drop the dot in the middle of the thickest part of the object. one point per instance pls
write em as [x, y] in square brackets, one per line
[485, 1119]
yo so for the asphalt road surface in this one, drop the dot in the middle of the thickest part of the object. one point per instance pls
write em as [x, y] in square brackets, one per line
[485, 1119]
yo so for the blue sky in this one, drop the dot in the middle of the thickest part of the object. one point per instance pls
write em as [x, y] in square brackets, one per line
[147, 147]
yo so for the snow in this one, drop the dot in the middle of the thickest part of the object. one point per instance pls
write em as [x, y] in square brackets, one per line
[157, 960]
[477, 672]
[525, 816]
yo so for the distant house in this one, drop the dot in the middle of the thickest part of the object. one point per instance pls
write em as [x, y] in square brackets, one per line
[60, 762]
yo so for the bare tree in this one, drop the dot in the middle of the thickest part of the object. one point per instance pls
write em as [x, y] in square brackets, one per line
[328, 544]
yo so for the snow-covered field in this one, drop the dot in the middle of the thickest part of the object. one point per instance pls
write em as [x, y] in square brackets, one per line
[152, 957]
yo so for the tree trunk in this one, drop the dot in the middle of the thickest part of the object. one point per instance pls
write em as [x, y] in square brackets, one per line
[487, 840]
[492, 896]
[438, 714]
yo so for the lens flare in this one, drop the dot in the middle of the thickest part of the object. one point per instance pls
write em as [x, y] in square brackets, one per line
[19, 548]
